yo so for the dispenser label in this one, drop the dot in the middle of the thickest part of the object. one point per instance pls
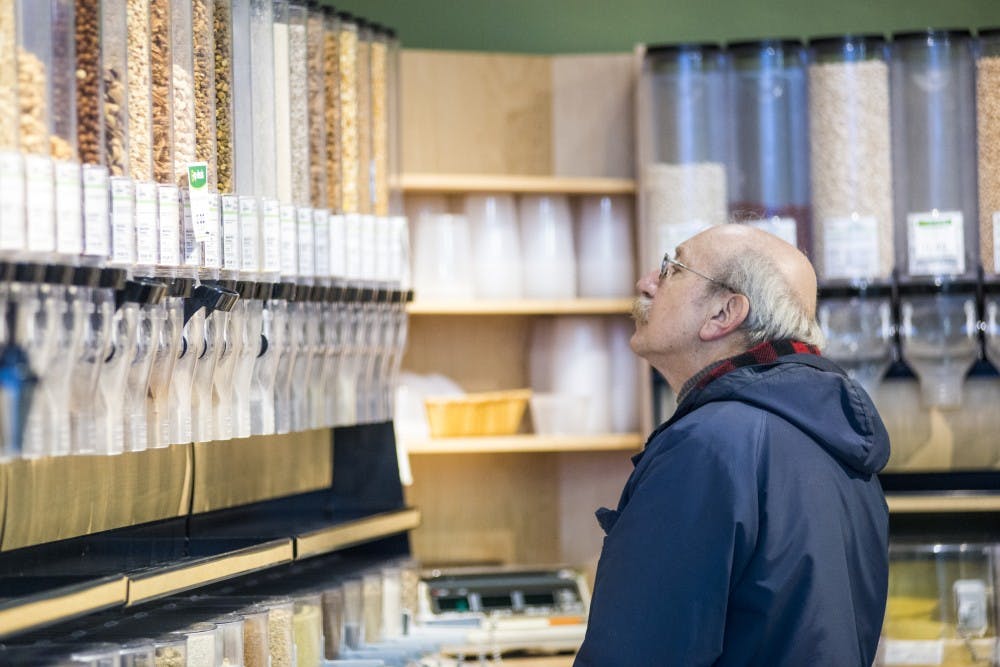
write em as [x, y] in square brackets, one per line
[40, 202]
[211, 246]
[197, 173]
[912, 652]
[382, 231]
[289, 242]
[230, 232]
[783, 228]
[272, 236]
[307, 261]
[170, 222]
[249, 235]
[12, 230]
[398, 250]
[321, 239]
[368, 247]
[146, 232]
[850, 247]
[338, 242]
[122, 220]
[69, 208]
[996, 241]
[352, 246]
[190, 248]
[936, 243]
[96, 229]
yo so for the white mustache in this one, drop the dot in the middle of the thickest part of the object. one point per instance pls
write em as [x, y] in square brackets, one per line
[640, 309]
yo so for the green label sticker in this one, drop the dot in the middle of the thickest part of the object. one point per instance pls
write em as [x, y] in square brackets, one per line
[197, 175]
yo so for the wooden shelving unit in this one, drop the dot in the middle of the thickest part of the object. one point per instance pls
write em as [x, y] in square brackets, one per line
[511, 184]
[616, 442]
[901, 503]
[60, 604]
[326, 540]
[522, 307]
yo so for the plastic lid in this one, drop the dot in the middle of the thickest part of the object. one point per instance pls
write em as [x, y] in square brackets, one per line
[937, 33]
[783, 42]
[262, 291]
[284, 291]
[142, 291]
[59, 274]
[112, 278]
[86, 276]
[181, 287]
[246, 288]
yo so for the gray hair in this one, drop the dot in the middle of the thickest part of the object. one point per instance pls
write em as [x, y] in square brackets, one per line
[775, 311]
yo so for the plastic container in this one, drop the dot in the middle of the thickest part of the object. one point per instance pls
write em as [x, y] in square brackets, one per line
[605, 251]
[203, 58]
[231, 645]
[371, 591]
[9, 106]
[548, 259]
[171, 651]
[559, 414]
[770, 173]
[857, 324]
[114, 55]
[395, 127]
[940, 605]
[160, 67]
[441, 259]
[262, 91]
[683, 143]
[496, 246]
[241, 100]
[316, 105]
[256, 641]
[182, 76]
[333, 621]
[307, 623]
[379, 71]
[988, 128]
[167, 345]
[991, 321]
[350, 160]
[580, 364]
[63, 135]
[851, 165]
[366, 195]
[138, 653]
[353, 635]
[222, 22]
[204, 645]
[137, 382]
[138, 80]
[485, 413]
[87, 407]
[291, 99]
[331, 91]
[280, 634]
[934, 154]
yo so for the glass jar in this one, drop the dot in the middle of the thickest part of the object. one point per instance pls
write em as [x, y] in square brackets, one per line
[988, 128]
[316, 106]
[934, 154]
[280, 636]
[371, 592]
[350, 167]
[256, 647]
[308, 630]
[770, 168]
[851, 166]
[171, 651]
[683, 147]
[231, 640]
[333, 621]
[222, 22]
[331, 87]
[138, 653]
[353, 635]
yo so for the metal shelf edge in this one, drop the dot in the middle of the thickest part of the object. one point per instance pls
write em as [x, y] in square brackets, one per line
[326, 540]
[146, 586]
[48, 608]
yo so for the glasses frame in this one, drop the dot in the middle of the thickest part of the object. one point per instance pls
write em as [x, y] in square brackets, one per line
[669, 261]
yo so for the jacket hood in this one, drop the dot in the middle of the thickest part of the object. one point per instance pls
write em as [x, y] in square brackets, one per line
[813, 394]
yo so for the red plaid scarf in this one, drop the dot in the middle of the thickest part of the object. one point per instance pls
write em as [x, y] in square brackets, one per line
[764, 353]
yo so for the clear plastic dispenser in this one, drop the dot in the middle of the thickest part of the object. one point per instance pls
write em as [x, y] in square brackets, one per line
[170, 313]
[991, 320]
[857, 323]
[215, 302]
[304, 339]
[271, 328]
[938, 327]
[182, 382]
[940, 608]
[770, 175]
[988, 129]
[851, 158]
[137, 380]
[283, 343]
[307, 626]
[63, 134]
[683, 146]
[934, 154]
[138, 653]
[223, 384]
[252, 315]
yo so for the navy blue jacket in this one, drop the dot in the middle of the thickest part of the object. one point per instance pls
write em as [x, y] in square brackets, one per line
[753, 530]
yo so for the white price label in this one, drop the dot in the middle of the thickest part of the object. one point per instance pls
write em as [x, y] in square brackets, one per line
[122, 220]
[211, 246]
[69, 208]
[352, 246]
[146, 232]
[338, 243]
[230, 232]
[783, 228]
[272, 236]
[40, 202]
[96, 224]
[289, 242]
[850, 247]
[249, 235]
[368, 247]
[198, 196]
[190, 247]
[936, 243]
[321, 239]
[307, 261]
[170, 224]
[912, 652]
[12, 229]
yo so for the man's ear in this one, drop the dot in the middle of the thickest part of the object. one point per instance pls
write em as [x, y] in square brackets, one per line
[730, 312]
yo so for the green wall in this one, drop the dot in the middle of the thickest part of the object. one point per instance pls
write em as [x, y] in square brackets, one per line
[581, 26]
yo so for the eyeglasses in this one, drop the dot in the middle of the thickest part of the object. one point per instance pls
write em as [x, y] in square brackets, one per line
[666, 270]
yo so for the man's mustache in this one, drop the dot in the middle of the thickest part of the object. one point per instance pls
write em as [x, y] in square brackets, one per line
[640, 309]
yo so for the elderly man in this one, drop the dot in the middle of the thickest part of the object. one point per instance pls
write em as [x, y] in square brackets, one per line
[753, 530]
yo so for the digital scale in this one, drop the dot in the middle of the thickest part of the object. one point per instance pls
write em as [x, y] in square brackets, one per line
[504, 609]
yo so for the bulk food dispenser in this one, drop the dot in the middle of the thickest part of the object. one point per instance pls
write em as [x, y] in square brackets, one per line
[770, 163]
[683, 146]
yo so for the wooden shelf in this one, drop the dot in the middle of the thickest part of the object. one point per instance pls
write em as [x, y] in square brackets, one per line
[522, 307]
[350, 533]
[61, 604]
[499, 183]
[943, 503]
[179, 577]
[624, 442]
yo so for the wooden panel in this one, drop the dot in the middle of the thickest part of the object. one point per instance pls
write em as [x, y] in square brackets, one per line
[918, 503]
[467, 112]
[326, 540]
[593, 115]
[481, 353]
[486, 508]
[236, 472]
[35, 611]
[55, 498]
[627, 442]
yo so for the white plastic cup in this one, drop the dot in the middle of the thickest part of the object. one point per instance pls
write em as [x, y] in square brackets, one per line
[442, 267]
[547, 250]
[605, 252]
[559, 414]
[496, 246]
[581, 366]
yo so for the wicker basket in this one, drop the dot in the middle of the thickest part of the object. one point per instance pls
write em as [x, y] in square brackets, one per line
[488, 413]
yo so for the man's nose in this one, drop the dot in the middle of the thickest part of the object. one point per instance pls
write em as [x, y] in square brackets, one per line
[648, 283]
